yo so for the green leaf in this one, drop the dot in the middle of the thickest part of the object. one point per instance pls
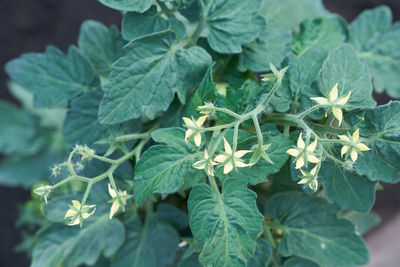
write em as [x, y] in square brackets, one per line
[271, 47]
[376, 42]
[363, 222]
[136, 25]
[274, 43]
[172, 215]
[312, 230]
[381, 125]
[343, 66]
[128, 5]
[262, 255]
[164, 169]
[299, 262]
[320, 32]
[153, 244]
[348, 189]
[81, 125]
[146, 78]
[53, 78]
[27, 170]
[232, 24]
[101, 45]
[72, 246]
[190, 258]
[17, 129]
[226, 224]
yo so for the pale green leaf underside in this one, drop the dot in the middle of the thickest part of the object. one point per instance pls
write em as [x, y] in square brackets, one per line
[101, 45]
[376, 41]
[53, 77]
[312, 230]
[226, 224]
[232, 23]
[145, 80]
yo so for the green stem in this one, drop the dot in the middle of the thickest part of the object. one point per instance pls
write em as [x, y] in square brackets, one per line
[275, 253]
[129, 137]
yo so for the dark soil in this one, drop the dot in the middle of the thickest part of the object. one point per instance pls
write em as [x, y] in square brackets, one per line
[30, 25]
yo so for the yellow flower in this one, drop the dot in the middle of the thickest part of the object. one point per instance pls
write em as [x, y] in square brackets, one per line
[231, 159]
[193, 129]
[116, 200]
[205, 163]
[78, 213]
[334, 102]
[310, 178]
[302, 153]
[356, 146]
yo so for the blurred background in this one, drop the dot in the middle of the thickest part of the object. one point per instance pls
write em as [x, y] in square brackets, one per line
[31, 25]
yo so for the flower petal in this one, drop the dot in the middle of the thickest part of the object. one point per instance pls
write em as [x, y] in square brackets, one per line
[111, 191]
[75, 222]
[354, 155]
[293, 152]
[311, 158]
[197, 139]
[320, 100]
[333, 93]
[311, 147]
[300, 162]
[356, 135]
[344, 100]
[303, 181]
[241, 153]
[228, 167]
[188, 122]
[344, 138]
[76, 204]
[200, 165]
[344, 150]
[188, 134]
[114, 208]
[200, 121]
[241, 164]
[227, 147]
[220, 158]
[69, 213]
[300, 142]
[337, 112]
[363, 147]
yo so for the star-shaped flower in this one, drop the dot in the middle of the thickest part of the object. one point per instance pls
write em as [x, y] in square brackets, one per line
[193, 129]
[302, 153]
[231, 159]
[356, 146]
[78, 213]
[117, 199]
[310, 178]
[334, 102]
[205, 163]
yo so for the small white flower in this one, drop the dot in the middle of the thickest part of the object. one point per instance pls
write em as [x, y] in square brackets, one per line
[207, 109]
[193, 129]
[231, 159]
[78, 213]
[43, 191]
[302, 153]
[116, 200]
[205, 163]
[356, 146]
[310, 178]
[334, 102]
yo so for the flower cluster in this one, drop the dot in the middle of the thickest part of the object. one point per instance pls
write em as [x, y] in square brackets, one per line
[304, 154]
